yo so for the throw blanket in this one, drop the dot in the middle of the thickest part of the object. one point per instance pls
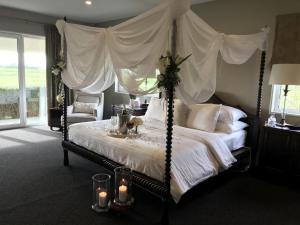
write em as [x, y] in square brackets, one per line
[196, 155]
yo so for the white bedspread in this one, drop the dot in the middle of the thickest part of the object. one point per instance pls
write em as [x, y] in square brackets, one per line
[196, 155]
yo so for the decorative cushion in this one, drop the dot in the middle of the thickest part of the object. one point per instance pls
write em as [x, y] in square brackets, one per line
[203, 117]
[80, 117]
[156, 110]
[81, 107]
[230, 128]
[229, 114]
[180, 113]
[88, 99]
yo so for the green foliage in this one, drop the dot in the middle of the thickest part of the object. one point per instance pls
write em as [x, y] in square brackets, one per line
[9, 78]
[169, 68]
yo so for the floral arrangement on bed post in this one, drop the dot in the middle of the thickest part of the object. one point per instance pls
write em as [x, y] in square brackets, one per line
[169, 67]
[56, 70]
[168, 79]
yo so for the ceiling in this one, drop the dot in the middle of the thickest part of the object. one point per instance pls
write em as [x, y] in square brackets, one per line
[99, 11]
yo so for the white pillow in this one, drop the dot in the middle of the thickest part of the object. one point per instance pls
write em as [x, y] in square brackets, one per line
[203, 117]
[180, 113]
[230, 128]
[229, 114]
[82, 107]
[156, 110]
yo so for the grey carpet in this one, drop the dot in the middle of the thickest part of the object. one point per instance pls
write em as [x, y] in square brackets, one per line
[36, 189]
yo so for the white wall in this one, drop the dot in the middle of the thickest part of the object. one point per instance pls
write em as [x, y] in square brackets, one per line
[238, 84]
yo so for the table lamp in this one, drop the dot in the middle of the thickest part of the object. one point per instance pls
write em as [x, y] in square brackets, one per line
[285, 74]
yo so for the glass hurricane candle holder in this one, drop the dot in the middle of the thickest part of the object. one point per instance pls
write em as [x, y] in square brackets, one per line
[101, 192]
[123, 186]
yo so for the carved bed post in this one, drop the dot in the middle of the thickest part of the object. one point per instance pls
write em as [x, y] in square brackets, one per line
[65, 120]
[260, 83]
[256, 127]
[65, 124]
[170, 114]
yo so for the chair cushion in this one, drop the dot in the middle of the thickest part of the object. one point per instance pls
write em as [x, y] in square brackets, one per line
[88, 98]
[82, 107]
[80, 117]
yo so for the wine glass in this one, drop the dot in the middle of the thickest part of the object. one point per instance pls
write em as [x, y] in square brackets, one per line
[113, 122]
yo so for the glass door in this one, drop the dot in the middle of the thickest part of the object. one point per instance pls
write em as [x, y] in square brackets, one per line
[35, 80]
[10, 81]
[23, 95]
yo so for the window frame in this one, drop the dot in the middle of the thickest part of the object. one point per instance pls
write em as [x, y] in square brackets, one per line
[21, 73]
[275, 102]
[118, 88]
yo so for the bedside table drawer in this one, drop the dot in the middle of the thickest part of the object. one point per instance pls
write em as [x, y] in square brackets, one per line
[279, 149]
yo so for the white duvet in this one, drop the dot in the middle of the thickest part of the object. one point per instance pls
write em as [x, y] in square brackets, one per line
[196, 155]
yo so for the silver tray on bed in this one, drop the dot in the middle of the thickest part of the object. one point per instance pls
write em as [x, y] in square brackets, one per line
[117, 134]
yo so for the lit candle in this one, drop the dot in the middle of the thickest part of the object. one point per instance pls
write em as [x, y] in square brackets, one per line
[102, 199]
[123, 193]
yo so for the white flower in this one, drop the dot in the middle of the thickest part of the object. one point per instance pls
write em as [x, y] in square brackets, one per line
[161, 66]
[60, 99]
[56, 71]
[61, 64]
[168, 62]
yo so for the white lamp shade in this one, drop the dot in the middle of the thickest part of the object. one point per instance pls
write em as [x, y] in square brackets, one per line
[286, 74]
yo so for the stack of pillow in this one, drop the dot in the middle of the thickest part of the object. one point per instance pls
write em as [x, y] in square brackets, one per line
[206, 117]
[228, 121]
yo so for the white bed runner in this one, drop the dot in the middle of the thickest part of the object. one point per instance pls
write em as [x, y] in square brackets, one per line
[196, 155]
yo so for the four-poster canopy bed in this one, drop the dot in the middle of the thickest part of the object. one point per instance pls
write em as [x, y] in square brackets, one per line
[136, 48]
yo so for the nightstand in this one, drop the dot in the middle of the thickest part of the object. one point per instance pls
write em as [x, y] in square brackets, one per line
[54, 118]
[139, 111]
[279, 150]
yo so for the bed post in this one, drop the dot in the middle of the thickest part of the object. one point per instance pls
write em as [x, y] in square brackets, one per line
[170, 114]
[65, 124]
[65, 121]
[256, 126]
[260, 83]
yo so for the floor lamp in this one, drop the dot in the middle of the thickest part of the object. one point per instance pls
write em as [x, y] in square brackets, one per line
[285, 74]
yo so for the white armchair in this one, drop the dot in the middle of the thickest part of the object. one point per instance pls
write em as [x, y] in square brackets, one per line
[73, 116]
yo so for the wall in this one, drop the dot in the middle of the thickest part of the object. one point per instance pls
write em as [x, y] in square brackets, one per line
[238, 84]
[113, 98]
[20, 21]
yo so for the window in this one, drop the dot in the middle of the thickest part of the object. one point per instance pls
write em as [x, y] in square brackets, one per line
[150, 82]
[292, 101]
[119, 88]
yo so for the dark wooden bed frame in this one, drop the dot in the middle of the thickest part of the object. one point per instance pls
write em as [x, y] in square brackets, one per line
[143, 181]
[156, 187]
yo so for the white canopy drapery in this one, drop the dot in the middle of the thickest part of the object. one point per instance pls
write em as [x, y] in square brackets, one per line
[198, 73]
[131, 50]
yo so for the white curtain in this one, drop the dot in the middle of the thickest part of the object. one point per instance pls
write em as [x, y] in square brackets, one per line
[198, 73]
[131, 51]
